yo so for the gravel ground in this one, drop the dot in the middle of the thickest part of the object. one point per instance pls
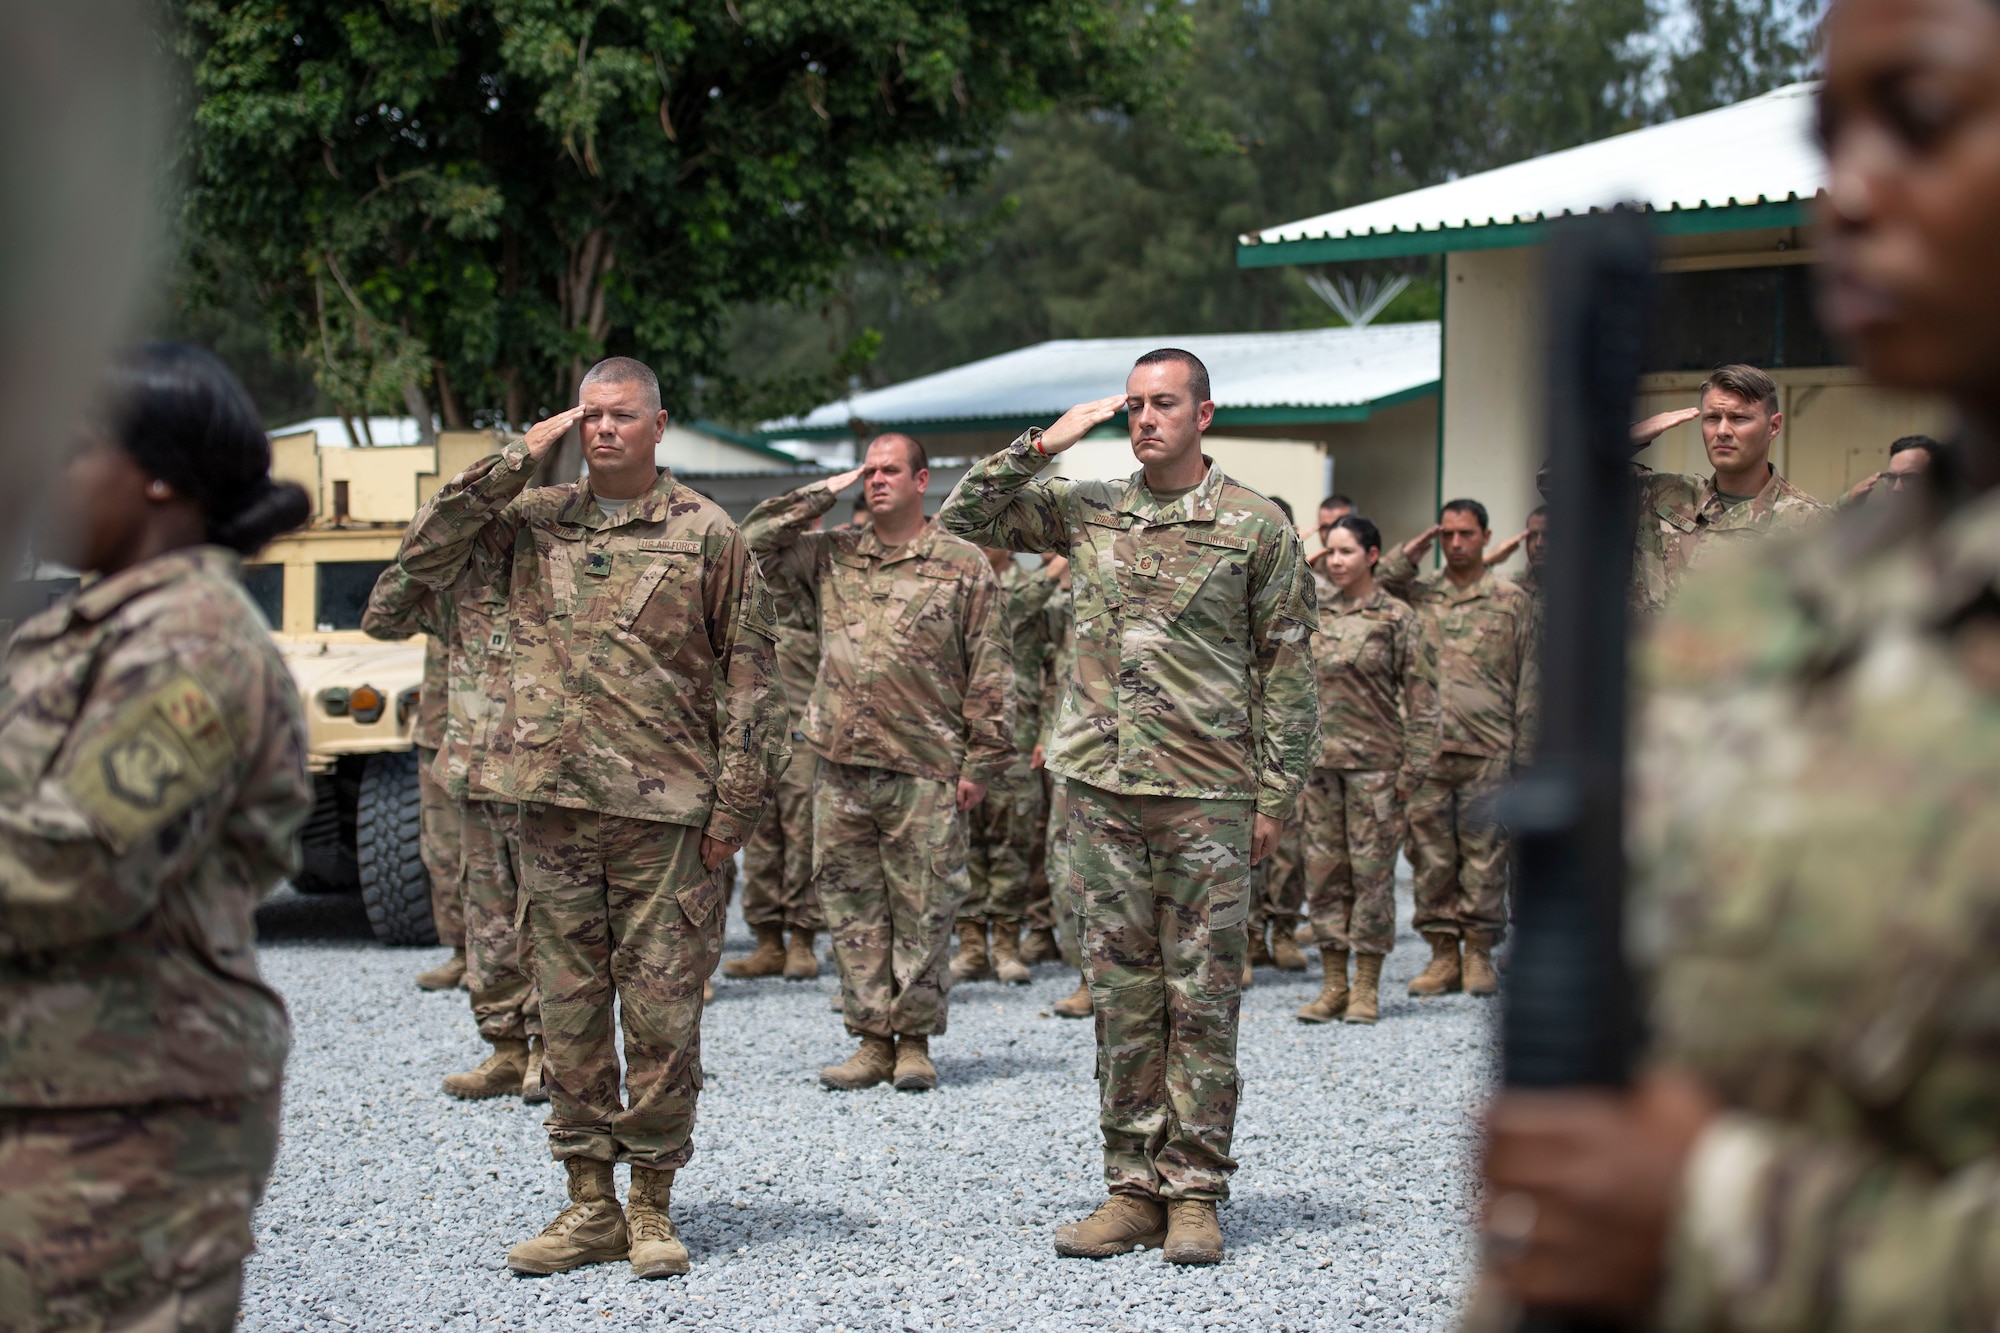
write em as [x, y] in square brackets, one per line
[392, 1206]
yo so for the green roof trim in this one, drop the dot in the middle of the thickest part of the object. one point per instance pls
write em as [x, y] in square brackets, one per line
[1508, 235]
[755, 444]
[1303, 414]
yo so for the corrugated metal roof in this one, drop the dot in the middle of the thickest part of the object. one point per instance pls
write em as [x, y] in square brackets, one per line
[1303, 375]
[1757, 152]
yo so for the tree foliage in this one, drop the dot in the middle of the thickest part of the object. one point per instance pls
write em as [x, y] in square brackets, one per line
[1105, 224]
[460, 204]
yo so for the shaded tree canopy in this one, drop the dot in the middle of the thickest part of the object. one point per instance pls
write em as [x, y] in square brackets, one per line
[457, 205]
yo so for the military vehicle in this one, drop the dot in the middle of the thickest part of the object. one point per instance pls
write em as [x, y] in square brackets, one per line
[361, 695]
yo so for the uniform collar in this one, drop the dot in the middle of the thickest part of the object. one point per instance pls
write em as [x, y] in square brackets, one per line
[916, 547]
[1483, 586]
[102, 598]
[651, 506]
[1197, 506]
[1708, 506]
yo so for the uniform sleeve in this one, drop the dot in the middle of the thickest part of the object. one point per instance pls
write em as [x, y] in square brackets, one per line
[179, 744]
[1422, 718]
[1397, 573]
[989, 682]
[788, 556]
[1283, 682]
[1781, 1230]
[467, 529]
[1527, 685]
[400, 606]
[1031, 653]
[753, 722]
[1000, 504]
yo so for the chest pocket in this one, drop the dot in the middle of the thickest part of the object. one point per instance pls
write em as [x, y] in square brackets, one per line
[1359, 641]
[652, 592]
[1094, 582]
[852, 600]
[1213, 599]
[929, 591]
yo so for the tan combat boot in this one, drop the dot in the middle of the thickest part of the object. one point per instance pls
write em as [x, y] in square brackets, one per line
[1193, 1234]
[590, 1231]
[1007, 964]
[1285, 950]
[1121, 1224]
[1442, 976]
[1364, 1001]
[801, 963]
[446, 975]
[1076, 1004]
[656, 1244]
[1260, 952]
[914, 1070]
[1039, 946]
[766, 960]
[498, 1075]
[969, 963]
[1332, 1001]
[1249, 975]
[532, 1091]
[874, 1063]
[708, 990]
[1480, 978]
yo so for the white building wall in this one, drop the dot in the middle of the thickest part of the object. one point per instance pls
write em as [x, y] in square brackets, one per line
[1492, 382]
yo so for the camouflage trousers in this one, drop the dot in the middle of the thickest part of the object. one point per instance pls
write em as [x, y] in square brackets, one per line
[1278, 887]
[1352, 821]
[1064, 915]
[1040, 914]
[1000, 830]
[499, 965]
[777, 861]
[889, 853]
[619, 907]
[1163, 885]
[442, 819]
[135, 1218]
[1457, 847]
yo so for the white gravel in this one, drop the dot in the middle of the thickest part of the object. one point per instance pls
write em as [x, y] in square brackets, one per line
[392, 1206]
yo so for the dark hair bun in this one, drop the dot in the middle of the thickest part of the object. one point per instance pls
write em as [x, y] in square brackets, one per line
[183, 417]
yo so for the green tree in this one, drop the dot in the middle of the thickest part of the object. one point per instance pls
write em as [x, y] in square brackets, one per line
[460, 204]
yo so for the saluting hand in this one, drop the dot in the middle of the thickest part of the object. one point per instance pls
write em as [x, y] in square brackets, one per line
[840, 481]
[1653, 427]
[1079, 421]
[1413, 550]
[542, 436]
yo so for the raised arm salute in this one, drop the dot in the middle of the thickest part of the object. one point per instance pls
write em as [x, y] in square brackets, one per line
[641, 736]
[1183, 736]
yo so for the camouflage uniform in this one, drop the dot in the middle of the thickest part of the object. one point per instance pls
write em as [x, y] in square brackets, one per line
[152, 786]
[641, 712]
[1062, 907]
[1682, 520]
[777, 861]
[1003, 825]
[1278, 886]
[1191, 708]
[1816, 811]
[914, 691]
[1487, 685]
[1378, 707]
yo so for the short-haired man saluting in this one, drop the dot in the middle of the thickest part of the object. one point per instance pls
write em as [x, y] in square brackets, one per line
[1185, 734]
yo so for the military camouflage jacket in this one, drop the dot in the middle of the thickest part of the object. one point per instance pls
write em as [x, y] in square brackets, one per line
[1059, 665]
[914, 675]
[1816, 908]
[1026, 597]
[469, 624]
[1378, 685]
[642, 668]
[1488, 678]
[152, 786]
[1682, 519]
[398, 608]
[1193, 675]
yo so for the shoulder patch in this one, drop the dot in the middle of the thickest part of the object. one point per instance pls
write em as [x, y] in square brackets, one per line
[154, 758]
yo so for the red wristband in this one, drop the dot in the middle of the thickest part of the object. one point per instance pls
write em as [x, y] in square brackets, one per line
[1038, 446]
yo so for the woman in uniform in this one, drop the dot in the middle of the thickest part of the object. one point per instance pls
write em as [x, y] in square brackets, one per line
[1815, 1141]
[1378, 708]
[152, 784]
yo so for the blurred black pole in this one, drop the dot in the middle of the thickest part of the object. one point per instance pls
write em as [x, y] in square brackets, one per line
[1570, 1015]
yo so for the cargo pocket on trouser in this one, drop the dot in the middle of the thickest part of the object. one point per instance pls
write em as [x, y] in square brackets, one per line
[702, 897]
[1223, 938]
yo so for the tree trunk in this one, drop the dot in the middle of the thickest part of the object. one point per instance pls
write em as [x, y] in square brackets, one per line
[419, 407]
[454, 411]
[583, 295]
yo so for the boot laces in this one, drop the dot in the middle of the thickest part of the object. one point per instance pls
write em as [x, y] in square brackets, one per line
[569, 1219]
[650, 1223]
[1187, 1211]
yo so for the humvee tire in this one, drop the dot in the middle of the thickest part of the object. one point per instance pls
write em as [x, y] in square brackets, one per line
[388, 845]
[326, 842]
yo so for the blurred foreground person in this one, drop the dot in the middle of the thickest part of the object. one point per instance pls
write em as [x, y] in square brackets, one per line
[641, 735]
[1184, 735]
[1814, 1143]
[152, 785]
[1378, 710]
